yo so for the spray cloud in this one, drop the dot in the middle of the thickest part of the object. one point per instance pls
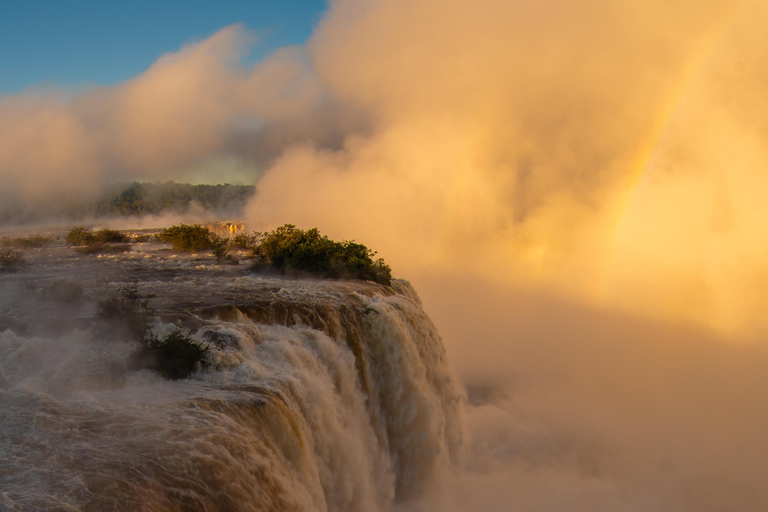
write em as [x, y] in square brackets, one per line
[532, 166]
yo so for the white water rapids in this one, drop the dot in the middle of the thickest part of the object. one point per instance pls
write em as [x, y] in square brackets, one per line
[320, 395]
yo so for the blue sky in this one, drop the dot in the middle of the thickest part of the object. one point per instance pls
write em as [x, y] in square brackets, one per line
[71, 43]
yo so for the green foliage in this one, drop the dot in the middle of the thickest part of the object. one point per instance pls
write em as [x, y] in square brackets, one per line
[102, 248]
[154, 198]
[110, 236]
[132, 199]
[174, 356]
[288, 249]
[27, 242]
[79, 235]
[244, 241]
[188, 238]
[219, 246]
[197, 238]
[11, 260]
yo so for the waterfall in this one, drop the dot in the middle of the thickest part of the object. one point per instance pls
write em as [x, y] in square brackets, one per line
[319, 395]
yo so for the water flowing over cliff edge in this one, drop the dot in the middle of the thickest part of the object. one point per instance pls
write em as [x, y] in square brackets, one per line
[319, 395]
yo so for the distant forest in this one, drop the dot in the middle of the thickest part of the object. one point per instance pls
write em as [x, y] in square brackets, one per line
[154, 198]
[135, 199]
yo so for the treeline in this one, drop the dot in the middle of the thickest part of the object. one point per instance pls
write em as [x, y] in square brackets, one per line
[154, 198]
[136, 199]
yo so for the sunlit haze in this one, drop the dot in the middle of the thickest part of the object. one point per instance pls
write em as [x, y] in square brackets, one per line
[576, 189]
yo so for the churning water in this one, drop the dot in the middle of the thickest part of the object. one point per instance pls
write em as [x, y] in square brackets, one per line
[319, 395]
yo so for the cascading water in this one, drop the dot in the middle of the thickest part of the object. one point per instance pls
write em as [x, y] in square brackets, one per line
[320, 395]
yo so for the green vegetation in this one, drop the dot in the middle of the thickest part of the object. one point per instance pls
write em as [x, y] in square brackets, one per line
[244, 241]
[136, 198]
[110, 235]
[79, 235]
[190, 238]
[98, 242]
[132, 199]
[196, 238]
[102, 248]
[27, 242]
[219, 246]
[289, 250]
[11, 260]
[174, 356]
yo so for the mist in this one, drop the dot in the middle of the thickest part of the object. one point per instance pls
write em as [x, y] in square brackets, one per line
[573, 407]
[595, 149]
[195, 115]
[574, 188]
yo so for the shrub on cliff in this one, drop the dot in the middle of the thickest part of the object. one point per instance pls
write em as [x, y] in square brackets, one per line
[79, 235]
[289, 250]
[197, 238]
[174, 356]
[188, 238]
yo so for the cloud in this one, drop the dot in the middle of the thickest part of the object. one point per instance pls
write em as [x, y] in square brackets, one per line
[610, 151]
[194, 107]
[586, 409]
[576, 188]
[513, 140]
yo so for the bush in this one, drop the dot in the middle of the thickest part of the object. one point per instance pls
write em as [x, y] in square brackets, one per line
[244, 241]
[154, 198]
[110, 236]
[11, 260]
[28, 242]
[197, 238]
[218, 246]
[288, 249]
[188, 238]
[174, 356]
[79, 236]
[83, 236]
[102, 248]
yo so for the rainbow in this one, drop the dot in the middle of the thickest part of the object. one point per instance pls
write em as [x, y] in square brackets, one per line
[627, 199]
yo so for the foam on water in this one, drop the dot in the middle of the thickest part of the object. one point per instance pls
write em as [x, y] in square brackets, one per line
[319, 395]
